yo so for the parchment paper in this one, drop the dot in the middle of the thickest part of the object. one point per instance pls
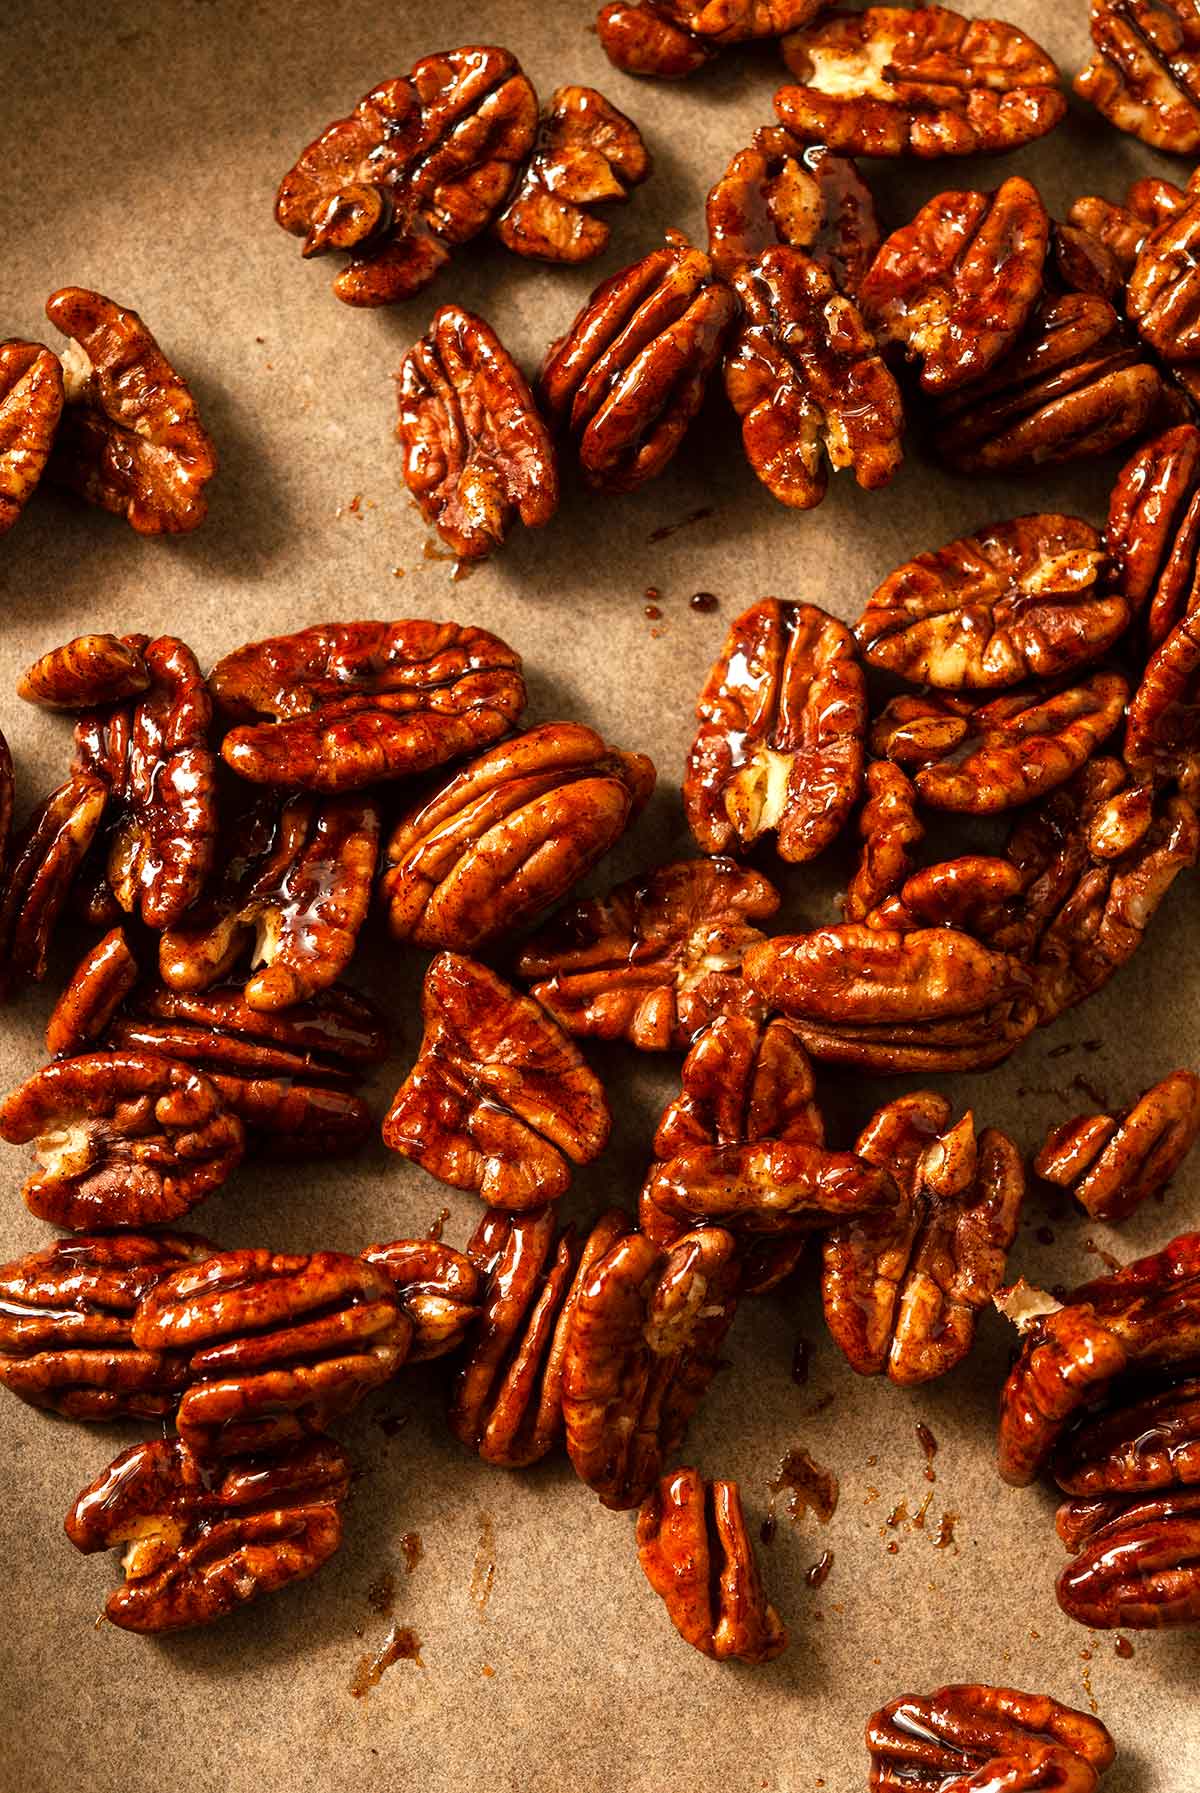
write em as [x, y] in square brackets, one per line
[140, 147]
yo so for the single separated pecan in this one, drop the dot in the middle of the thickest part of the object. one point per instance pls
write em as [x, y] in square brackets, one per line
[276, 1344]
[1111, 1164]
[780, 191]
[131, 439]
[803, 374]
[1153, 530]
[84, 673]
[39, 868]
[782, 718]
[121, 1139]
[200, 1546]
[66, 1313]
[656, 959]
[642, 1347]
[508, 836]
[674, 38]
[506, 1402]
[500, 1100]
[903, 1287]
[1137, 1565]
[1022, 599]
[1144, 75]
[697, 1555]
[888, 826]
[341, 705]
[972, 1736]
[424, 162]
[927, 82]
[587, 153]
[438, 1290]
[630, 374]
[31, 402]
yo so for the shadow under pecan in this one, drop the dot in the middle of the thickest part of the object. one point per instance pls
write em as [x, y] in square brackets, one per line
[928, 82]
[1111, 1164]
[779, 190]
[66, 1314]
[84, 673]
[587, 153]
[39, 869]
[642, 1346]
[424, 162]
[200, 1546]
[986, 1737]
[437, 1288]
[888, 825]
[1137, 1562]
[506, 1402]
[656, 959]
[1144, 75]
[780, 746]
[697, 1555]
[1153, 530]
[630, 374]
[31, 402]
[342, 705]
[505, 838]
[131, 439]
[500, 1100]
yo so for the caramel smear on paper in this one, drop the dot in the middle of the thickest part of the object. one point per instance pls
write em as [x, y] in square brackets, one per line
[483, 1573]
[400, 1645]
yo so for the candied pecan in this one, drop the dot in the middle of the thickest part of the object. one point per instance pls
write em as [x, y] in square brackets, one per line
[499, 1100]
[657, 958]
[803, 374]
[31, 402]
[974, 892]
[779, 191]
[86, 672]
[587, 153]
[639, 38]
[1018, 600]
[641, 1348]
[630, 374]
[438, 1289]
[1138, 1561]
[99, 986]
[44, 859]
[508, 836]
[1122, 229]
[1111, 1164]
[697, 1556]
[131, 439]
[1083, 262]
[1153, 530]
[1144, 76]
[65, 1325]
[1143, 1444]
[985, 1737]
[1162, 734]
[198, 1546]
[780, 745]
[121, 1139]
[888, 826]
[1163, 295]
[424, 162]
[352, 703]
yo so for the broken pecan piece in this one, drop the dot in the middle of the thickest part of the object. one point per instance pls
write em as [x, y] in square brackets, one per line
[1144, 76]
[656, 959]
[31, 402]
[500, 1100]
[84, 673]
[352, 703]
[986, 1737]
[198, 1546]
[1138, 1561]
[508, 836]
[697, 1556]
[1112, 1164]
[782, 718]
[438, 1289]
[36, 875]
[779, 191]
[888, 826]
[587, 153]
[1153, 530]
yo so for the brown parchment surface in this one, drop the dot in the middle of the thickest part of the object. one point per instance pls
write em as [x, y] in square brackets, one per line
[140, 147]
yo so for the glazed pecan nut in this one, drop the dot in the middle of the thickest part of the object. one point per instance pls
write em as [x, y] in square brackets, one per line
[765, 1186]
[642, 1347]
[587, 153]
[888, 826]
[640, 38]
[1162, 738]
[123, 1139]
[1163, 295]
[993, 1736]
[131, 439]
[438, 1289]
[1153, 531]
[199, 1547]
[697, 1556]
[1122, 229]
[737, 21]
[40, 870]
[1138, 1562]
[890, 82]
[779, 191]
[803, 374]
[1022, 599]
[500, 1100]
[504, 839]
[31, 402]
[1112, 1164]
[424, 161]
[630, 374]
[782, 718]
[1144, 75]
[65, 1326]
[656, 959]
[84, 673]
[975, 893]
[352, 703]
[1144, 1443]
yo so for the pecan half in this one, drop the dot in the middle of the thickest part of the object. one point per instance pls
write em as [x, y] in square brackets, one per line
[630, 374]
[782, 718]
[1022, 599]
[975, 892]
[656, 959]
[803, 374]
[1153, 531]
[31, 402]
[888, 826]
[500, 1100]
[424, 162]
[84, 673]
[504, 839]
[587, 153]
[641, 1349]
[1144, 75]
[199, 1547]
[1138, 1561]
[1142, 1444]
[855, 974]
[352, 703]
[1112, 1164]
[890, 82]
[987, 1736]
[779, 191]
[121, 1139]
[37, 874]
[1162, 733]
[639, 38]
[697, 1556]
[131, 439]
[438, 1290]
[1122, 229]
[1163, 295]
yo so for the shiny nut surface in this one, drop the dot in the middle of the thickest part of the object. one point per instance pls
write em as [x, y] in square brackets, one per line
[888, 825]
[1136, 1564]
[588, 153]
[438, 1289]
[85, 672]
[1111, 1164]
[779, 190]
[641, 38]
[1153, 530]
[1145, 71]
[39, 868]
[991, 1736]
[696, 1554]
[31, 402]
